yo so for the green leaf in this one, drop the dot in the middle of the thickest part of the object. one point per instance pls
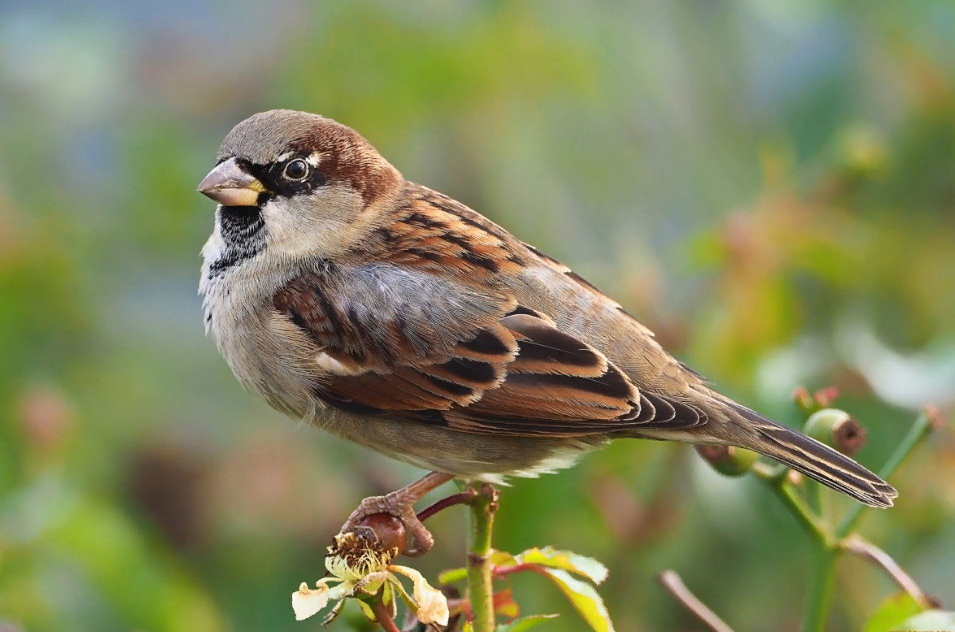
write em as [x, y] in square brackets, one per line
[584, 598]
[930, 621]
[564, 560]
[891, 613]
[524, 623]
[452, 576]
[502, 558]
[367, 611]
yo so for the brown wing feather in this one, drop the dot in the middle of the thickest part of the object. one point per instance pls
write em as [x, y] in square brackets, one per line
[416, 325]
[468, 359]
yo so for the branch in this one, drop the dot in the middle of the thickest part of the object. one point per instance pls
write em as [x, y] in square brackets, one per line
[672, 583]
[776, 479]
[919, 430]
[862, 547]
[383, 616]
[480, 591]
[444, 503]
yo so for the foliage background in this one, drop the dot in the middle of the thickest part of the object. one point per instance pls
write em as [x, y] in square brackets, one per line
[768, 184]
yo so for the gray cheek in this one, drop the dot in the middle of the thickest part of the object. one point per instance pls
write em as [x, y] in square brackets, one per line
[320, 224]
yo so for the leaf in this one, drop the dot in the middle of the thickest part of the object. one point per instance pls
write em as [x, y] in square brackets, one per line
[565, 560]
[525, 623]
[505, 606]
[930, 621]
[502, 558]
[367, 611]
[891, 613]
[584, 598]
[452, 576]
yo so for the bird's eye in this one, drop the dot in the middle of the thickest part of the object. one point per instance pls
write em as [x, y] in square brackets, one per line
[296, 170]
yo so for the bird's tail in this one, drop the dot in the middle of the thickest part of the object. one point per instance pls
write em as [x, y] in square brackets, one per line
[814, 459]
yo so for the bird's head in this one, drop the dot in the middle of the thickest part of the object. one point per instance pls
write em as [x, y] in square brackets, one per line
[297, 184]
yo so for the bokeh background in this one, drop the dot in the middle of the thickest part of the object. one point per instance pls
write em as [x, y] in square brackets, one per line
[768, 184]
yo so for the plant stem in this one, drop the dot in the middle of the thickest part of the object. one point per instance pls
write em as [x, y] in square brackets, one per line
[808, 514]
[480, 591]
[820, 589]
[383, 616]
[455, 499]
[801, 510]
[919, 430]
[826, 544]
[862, 547]
[675, 586]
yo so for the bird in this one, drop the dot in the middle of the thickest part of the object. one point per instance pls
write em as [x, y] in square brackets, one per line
[393, 316]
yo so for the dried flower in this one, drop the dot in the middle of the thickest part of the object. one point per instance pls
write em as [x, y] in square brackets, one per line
[360, 566]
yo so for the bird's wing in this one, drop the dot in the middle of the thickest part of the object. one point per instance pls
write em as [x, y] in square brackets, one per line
[403, 342]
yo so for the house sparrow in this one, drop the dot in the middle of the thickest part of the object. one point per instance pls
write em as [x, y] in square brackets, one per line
[398, 318]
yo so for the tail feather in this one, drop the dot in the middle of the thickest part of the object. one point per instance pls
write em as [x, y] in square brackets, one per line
[817, 461]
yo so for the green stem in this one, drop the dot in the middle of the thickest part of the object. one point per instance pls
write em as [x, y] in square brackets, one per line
[480, 590]
[808, 513]
[801, 510]
[816, 609]
[919, 430]
[811, 515]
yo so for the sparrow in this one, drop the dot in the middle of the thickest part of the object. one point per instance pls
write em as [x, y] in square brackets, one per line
[398, 318]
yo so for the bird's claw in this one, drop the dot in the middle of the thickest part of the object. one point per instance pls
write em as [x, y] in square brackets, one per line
[419, 539]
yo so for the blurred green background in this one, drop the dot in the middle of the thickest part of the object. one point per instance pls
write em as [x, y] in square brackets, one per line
[768, 184]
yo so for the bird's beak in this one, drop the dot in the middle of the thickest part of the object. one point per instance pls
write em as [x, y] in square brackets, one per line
[229, 185]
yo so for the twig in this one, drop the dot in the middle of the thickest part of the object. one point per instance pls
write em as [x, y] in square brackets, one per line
[383, 616]
[480, 590]
[796, 504]
[919, 430]
[862, 547]
[823, 577]
[675, 586]
[444, 503]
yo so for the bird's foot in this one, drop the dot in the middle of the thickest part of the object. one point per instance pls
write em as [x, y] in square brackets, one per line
[400, 504]
[418, 539]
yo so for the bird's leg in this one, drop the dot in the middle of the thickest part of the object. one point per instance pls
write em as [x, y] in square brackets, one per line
[400, 504]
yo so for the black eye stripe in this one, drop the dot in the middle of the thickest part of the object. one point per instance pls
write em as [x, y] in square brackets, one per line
[273, 177]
